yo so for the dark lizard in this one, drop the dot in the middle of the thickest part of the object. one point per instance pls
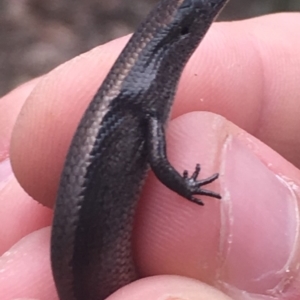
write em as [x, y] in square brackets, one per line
[121, 134]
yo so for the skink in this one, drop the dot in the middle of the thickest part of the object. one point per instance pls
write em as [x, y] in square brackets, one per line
[121, 135]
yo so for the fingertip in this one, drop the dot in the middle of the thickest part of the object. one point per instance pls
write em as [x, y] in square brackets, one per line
[168, 287]
[25, 268]
[10, 106]
[48, 119]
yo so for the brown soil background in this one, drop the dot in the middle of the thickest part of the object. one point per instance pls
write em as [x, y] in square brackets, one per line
[37, 35]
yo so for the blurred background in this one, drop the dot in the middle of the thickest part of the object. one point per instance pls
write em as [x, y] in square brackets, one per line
[36, 35]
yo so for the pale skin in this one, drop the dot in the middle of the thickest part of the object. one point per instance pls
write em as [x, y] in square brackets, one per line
[246, 71]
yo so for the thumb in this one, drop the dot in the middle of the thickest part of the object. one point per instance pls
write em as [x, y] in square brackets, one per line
[247, 243]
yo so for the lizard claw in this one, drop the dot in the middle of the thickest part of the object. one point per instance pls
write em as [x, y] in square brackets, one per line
[195, 185]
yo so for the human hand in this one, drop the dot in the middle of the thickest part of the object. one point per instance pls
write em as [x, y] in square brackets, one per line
[245, 71]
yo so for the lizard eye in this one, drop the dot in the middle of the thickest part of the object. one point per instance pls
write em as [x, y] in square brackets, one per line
[184, 30]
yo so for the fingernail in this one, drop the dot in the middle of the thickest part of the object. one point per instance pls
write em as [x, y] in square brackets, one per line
[260, 224]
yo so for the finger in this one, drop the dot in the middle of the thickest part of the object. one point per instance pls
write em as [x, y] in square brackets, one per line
[245, 243]
[25, 272]
[168, 287]
[25, 269]
[51, 114]
[248, 72]
[19, 214]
